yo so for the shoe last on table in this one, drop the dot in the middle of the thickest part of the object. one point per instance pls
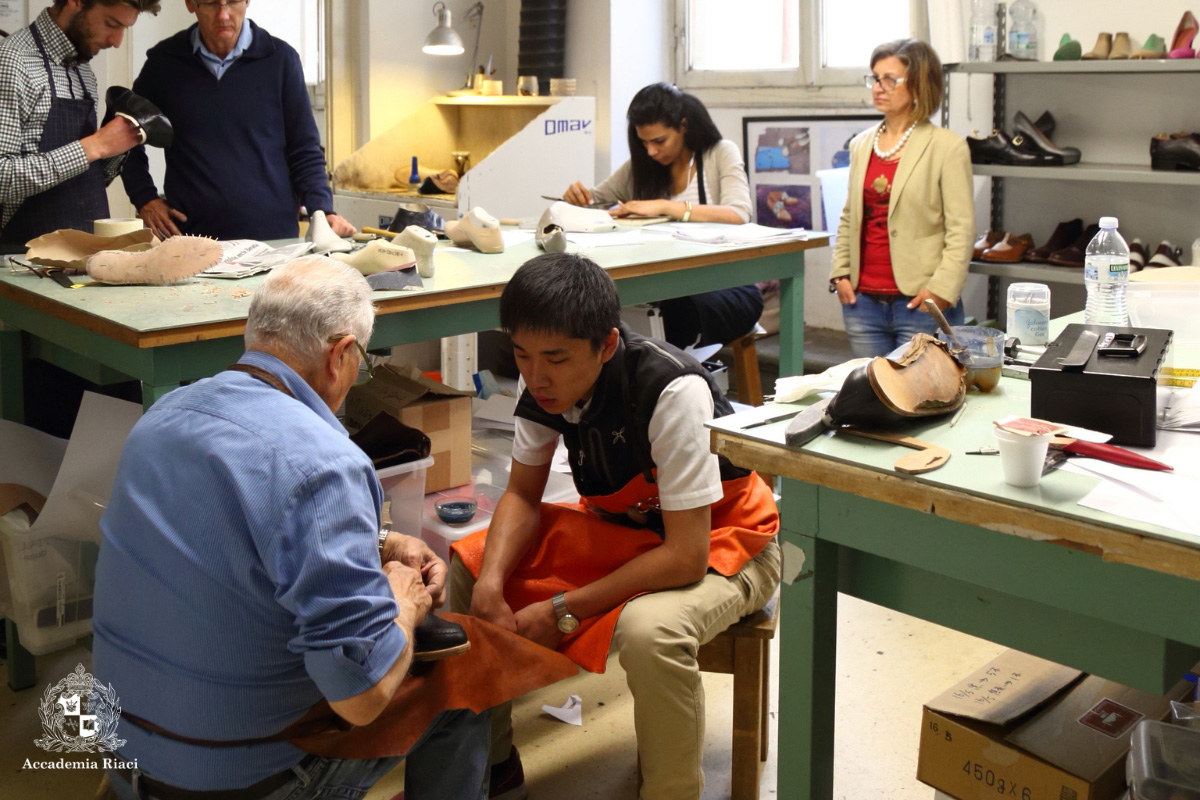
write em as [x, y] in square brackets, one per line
[421, 242]
[477, 229]
[1185, 32]
[550, 235]
[1101, 50]
[323, 238]
[379, 255]
[175, 259]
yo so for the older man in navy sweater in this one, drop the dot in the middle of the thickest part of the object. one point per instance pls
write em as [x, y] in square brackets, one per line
[246, 153]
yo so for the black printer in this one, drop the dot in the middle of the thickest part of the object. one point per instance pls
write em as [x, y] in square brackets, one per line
[1102, 377]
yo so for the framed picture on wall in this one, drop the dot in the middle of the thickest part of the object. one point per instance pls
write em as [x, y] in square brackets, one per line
[783, 155]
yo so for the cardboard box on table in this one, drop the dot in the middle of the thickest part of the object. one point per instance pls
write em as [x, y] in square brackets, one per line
[443, 413]
[1022, 727]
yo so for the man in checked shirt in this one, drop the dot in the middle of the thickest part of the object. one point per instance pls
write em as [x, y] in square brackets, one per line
[54, 162]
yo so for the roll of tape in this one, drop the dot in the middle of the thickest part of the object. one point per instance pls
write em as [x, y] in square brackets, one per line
[116, 227]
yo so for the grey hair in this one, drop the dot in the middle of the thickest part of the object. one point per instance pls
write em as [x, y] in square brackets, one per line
[300, 305]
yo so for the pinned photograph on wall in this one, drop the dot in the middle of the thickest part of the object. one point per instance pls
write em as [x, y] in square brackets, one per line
[783, 158]
[783, 150]
[787, 206]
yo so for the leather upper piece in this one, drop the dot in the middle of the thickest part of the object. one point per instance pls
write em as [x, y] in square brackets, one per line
[154, 124]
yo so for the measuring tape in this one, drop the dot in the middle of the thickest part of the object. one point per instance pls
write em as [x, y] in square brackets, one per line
[1179, 372]
[1183, 383]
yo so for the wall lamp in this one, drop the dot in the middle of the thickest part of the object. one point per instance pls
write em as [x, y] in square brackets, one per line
[445, 41]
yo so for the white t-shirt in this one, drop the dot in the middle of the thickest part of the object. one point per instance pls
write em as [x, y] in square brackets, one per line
[689, 475]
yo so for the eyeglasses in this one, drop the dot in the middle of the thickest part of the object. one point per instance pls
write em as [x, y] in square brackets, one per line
[214, 6]
[888, 83]
[361, 352]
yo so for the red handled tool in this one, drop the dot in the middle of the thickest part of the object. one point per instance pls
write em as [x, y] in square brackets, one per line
[1107, 452]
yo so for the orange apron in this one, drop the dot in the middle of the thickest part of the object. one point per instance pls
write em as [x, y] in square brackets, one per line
[578, 547]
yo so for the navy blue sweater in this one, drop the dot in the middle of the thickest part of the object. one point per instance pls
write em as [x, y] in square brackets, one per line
[246, 153]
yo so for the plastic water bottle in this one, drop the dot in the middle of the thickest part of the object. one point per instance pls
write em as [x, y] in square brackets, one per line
[983, 31]
[1022, 33]
[1106, 276]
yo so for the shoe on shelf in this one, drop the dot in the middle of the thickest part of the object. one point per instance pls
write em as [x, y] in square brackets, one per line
[1175, 151]
[1121, 47]
[1068, 49]
[1009, 250]
[1037, 140]
[1167, 255]
[1196, 253]
[988, 239]
[1185, 32]
[1064, 236]
[1101, 50]
[422, 242]
[508, 779]
[1072, 255]
[1046, 123]
[478, 229]
[1154, 47]
[999, 149]
[1138, 255]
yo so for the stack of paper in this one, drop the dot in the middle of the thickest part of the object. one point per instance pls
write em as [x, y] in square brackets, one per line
[719, 233]
[244, 257]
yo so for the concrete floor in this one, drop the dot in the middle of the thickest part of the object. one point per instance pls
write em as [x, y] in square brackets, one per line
[888, 664]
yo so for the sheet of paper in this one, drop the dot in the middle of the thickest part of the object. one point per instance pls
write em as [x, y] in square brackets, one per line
[607, 239]
[570, 712]
[29, 457]
[515, 236]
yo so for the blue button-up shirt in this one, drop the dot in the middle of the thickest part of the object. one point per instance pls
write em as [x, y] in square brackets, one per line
[238, 581]
[211, 61]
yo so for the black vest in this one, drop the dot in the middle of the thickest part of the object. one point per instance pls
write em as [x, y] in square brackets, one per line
[610, 445]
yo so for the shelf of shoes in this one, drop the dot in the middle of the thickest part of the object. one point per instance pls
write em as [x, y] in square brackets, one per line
[1028, 271]
[1120, 66]
[1085, 171]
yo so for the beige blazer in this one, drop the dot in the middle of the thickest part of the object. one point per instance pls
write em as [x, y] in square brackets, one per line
[931, 217]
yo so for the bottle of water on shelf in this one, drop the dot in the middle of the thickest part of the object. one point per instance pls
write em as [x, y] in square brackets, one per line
[1106, 276]
[1022, 32]
[982, 41]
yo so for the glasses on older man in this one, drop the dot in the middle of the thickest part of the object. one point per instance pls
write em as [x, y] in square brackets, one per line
[213, 6]
[888, 83]
[370, 367]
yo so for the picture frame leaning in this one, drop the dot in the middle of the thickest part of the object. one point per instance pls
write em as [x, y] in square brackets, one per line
[783, 155]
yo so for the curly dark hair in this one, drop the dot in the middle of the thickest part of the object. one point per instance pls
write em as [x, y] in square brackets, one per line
[664, 103]
[142, 6]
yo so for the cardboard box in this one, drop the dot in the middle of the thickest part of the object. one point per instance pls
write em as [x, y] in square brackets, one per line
[443, 413]
[1026, 728]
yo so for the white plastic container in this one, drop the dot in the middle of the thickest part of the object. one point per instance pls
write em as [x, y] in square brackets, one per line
[1029, 313]
[404, 492]
[1164, 762]
[1169, 298]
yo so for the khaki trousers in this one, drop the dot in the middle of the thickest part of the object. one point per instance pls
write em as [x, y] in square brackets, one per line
[656, 640]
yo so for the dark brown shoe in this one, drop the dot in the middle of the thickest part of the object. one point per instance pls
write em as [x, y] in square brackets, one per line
[984, 242]
[1072, 255]
[1064, 235]
[1177, 151]
[1010, 249]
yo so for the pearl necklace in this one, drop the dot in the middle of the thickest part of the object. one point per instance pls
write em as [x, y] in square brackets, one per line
[899, 145]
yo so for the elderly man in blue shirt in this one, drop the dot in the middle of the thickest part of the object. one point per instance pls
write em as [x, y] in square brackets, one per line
[240, 579]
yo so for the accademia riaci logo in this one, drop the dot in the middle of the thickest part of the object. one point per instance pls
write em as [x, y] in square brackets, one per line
[79, 715]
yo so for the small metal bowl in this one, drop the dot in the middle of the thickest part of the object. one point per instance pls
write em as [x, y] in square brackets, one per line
[456, 511]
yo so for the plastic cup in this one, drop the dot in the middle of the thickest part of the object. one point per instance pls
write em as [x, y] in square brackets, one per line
[527, 85]
[1022, 457]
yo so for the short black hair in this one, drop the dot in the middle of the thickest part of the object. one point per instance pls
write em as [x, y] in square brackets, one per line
[664, 103]
[562, 293]
[142, 6]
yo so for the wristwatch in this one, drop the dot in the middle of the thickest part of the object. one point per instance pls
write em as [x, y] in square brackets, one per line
[833, 282]
[383, 535]
[567, 623]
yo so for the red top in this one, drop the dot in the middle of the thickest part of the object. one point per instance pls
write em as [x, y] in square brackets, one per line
[876, 273]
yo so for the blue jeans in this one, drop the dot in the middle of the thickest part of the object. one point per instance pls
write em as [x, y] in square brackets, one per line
[450, 761]
[878, 324]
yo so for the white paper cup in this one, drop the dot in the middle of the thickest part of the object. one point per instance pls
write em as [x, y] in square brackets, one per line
[1021, 457]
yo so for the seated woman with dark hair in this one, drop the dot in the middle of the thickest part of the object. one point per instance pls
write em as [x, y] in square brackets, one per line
[680, 167]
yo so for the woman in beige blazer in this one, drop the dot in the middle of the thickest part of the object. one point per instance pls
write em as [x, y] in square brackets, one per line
[908, 228]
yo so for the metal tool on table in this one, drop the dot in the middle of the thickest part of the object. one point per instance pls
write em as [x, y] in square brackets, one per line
[1104, 452]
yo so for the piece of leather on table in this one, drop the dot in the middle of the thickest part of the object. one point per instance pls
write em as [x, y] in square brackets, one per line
[500, 666]
[925, 380]
[387, 441]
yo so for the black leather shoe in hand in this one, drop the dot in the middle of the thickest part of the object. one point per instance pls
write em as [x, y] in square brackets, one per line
[437, 638]
[999, 149]
[154, 127]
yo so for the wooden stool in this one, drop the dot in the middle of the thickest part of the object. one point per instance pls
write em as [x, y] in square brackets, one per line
[744, 651]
